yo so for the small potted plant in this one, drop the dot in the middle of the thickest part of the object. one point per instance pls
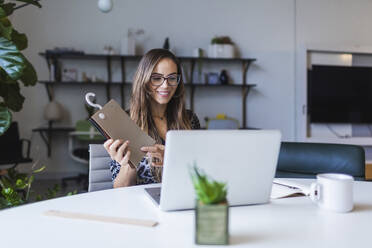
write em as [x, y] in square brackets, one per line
[212, 210]
[221, 47]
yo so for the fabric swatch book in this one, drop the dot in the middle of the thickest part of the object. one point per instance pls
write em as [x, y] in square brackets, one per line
[288, 188]
[114, 123]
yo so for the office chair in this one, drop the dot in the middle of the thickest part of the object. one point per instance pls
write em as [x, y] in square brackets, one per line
[221, 122]
[11, 147]
[305, 160]
[99, 170]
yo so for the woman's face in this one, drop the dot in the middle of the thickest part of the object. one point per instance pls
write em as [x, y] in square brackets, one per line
[163, 90]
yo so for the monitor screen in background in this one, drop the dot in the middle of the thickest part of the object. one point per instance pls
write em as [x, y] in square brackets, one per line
[340, 94]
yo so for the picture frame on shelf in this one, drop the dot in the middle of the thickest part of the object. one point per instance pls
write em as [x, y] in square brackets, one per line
[69, 75]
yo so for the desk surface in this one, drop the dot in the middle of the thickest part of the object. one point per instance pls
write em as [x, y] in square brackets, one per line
[291, 222]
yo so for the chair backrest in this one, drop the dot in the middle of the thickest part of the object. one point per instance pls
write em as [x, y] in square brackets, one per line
[99, 170]
[222, 122]
[298, 159]
[10, 144]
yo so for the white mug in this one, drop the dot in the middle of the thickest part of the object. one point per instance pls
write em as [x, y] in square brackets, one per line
[333, 192]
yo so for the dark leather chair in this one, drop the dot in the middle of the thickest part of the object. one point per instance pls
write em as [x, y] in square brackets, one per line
[11, 148]
[305, 160]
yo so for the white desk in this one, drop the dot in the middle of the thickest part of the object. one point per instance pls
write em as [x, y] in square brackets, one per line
[292, 222]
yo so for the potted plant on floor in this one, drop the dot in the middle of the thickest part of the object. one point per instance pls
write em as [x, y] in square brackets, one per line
[212, 210]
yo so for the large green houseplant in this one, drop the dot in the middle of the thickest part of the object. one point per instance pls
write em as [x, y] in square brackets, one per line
[15, 69]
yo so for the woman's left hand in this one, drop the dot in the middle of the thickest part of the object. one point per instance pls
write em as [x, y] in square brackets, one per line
[156, 151]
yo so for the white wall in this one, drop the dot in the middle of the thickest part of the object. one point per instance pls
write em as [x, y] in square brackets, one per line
[338, 25]
[274, 32]
[261, 29]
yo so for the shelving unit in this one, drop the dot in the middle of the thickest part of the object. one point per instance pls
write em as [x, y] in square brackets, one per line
[46, 134]
[53, 61]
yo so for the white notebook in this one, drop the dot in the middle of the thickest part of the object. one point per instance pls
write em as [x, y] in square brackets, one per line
[288, 188]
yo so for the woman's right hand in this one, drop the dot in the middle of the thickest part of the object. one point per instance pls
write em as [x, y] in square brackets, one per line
[118, 151]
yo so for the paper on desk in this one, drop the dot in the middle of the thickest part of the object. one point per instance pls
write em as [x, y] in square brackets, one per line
[286, 188]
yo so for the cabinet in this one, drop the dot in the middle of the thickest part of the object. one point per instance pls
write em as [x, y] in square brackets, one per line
[54, 66]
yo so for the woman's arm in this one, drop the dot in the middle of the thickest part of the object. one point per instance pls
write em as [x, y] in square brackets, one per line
[126, 177]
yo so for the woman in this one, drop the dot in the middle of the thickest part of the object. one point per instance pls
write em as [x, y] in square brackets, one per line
[157, 105]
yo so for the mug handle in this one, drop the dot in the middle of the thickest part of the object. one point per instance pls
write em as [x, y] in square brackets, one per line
[315, 192]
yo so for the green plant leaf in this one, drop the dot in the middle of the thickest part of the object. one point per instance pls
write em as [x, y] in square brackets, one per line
[72, 193]
[29, 76]
[208, 191]
[40, 169]
[31, 179]
[38, 198]
[11, 60]
[6, 28]
[6, 182]
[5, 119]
[20, 40]
[8, 8]
[20, 184]
[33, 2]
[3, 203]
[2, 13]
[12, 96]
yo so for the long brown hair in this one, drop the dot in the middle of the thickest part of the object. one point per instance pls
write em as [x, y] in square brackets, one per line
[140, 110]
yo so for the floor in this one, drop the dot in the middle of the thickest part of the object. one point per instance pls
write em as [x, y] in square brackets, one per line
[52, 188]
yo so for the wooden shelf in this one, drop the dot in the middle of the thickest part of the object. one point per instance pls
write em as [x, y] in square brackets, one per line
[53, 129]
[87, 56]
[83, 83]
[220, 85]
[130, 84]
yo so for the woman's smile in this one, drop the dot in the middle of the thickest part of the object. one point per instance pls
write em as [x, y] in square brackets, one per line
[163, 93]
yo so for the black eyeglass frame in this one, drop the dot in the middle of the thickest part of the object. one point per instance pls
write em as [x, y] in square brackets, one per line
[165, 78]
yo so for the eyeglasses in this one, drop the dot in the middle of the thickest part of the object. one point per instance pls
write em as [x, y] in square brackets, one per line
[172, 80]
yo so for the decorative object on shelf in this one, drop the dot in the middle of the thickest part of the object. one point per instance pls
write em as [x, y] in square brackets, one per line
[129, 44]
[222, 121]
[198, 53]
[221, 47]
[85, 78]
[105, 5]
[92, 79]
[109, 50]
[53, 111]
[212, 210]
[69, 75]
[15, 69]
[166, 44]
[64, 51]
[224, 78]
[212, 78]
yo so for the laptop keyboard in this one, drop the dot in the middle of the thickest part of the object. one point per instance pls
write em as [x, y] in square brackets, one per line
[154, 193]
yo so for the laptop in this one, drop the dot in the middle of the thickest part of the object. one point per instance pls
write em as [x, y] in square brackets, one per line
[245, 159]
